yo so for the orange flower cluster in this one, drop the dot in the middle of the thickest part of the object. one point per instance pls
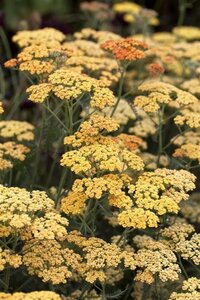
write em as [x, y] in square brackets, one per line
[155, 69]
[126, 49]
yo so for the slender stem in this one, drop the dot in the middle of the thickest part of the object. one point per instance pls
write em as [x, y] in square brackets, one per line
[15, 104]
[103, 292]
[126, 296]
[38, 151]
[160, 137]
[182, 11]
[84, 290]
[7, 279]
[124, 233]
[69, 121]
[60, 187]
[55, 116]
[177, 136]
[8, 55]
[121, 81]
[157, 288]
[194, 266]
[182, 267]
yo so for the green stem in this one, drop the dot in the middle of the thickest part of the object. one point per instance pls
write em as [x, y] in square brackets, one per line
[103, 292]
[160, 137]
[124, 233]
[69, 121]
[9, 56]
[60, 187]
[182, 11]
[173, 139]
[55, 116]
[7, 279]
[121, 81]
[182, 267]
[15, 104]
[38, 151]
[157, 288]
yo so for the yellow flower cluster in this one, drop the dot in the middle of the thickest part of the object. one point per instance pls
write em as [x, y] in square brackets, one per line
[41, 60]
[138, 218]
[19, 209]
[98, 153]
[49, 260]
[190, 249]
[7, 258]
[192, 86]
[47, 295]
[122, 115]
[89, 188]
[164, 37]
[188, 33]
[39, 93]
[50, 226]
[191, 119]
[85, 48]
[100, 256]
[178, 237]
[1, 108]
[91, 131]
[190, 151]
[132, 12]
[105, 69]
[96, 158]
[160, 93]
[154, 258]
[191, 209]
[66, 84]
[177, 232]
[74, 203]
[156, 193]
[144, 126]
[126, 6]
[52, 261]
[190, 290]
[191, 137]
[22, 131]
[46, 36]
[94, 35]
[10, 152]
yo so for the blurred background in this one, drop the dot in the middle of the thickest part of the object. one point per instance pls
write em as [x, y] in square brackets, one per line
[70, 15]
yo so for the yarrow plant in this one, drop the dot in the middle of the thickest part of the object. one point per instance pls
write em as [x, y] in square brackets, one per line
[99, 166]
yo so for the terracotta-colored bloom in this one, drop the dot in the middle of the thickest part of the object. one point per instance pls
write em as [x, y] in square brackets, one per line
[155, 69]
[11, 63]
[126, 49]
